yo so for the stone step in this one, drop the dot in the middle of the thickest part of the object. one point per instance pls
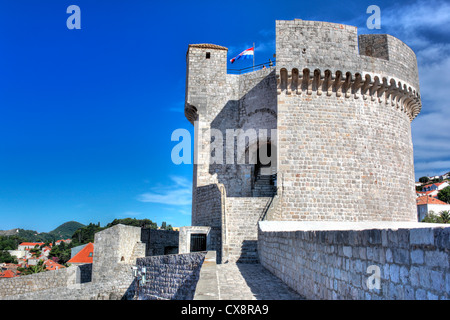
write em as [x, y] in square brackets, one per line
[242, 222]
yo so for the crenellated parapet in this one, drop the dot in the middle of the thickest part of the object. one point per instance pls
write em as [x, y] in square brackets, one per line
[366, 86]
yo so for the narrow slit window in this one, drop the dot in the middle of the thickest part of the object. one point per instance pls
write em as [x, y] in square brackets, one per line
[208, 55]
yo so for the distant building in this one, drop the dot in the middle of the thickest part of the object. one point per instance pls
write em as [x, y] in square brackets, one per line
[29, 245]
[52, 265]
[426, 204]
[84, 256]
[435, 186]
[432, 193]
[17, 253]
[66, 241]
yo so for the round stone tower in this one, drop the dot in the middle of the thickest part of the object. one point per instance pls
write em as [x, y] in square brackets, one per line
[345, 104]
[336, 112]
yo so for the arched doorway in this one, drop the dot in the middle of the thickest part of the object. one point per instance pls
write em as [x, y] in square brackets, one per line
[264, 171]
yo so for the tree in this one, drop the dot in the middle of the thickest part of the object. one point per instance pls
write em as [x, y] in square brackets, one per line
[10, 242]
[443, 217]
[430, 217]
[6, 257]
[36, 251]
[33, 269]
[424, 179]
[444, 194]
[61, 253]
[85, 234]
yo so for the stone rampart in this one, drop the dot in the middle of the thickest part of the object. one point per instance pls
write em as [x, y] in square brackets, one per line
[331, 260]
[170, 277]
[54, 279]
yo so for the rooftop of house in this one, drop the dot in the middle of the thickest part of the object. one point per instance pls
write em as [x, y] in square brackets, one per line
[31, 244]
[52, 265]
[429, 200]
[85, 255]
[7, 274]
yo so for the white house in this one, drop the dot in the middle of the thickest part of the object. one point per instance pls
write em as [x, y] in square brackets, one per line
[426, 204]
[435, 186]
[432, 193]
[28, 245]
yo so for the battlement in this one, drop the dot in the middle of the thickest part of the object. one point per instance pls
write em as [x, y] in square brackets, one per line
[324, 45]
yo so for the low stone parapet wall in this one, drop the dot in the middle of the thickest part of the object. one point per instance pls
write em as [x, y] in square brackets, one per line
[61, 278]
[371, 260]
[121, 287]
[170, 277]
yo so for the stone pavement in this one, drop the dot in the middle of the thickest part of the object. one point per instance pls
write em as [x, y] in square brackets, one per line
[241, 281]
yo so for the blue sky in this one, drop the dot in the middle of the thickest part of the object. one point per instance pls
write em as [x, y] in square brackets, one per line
[86, 116]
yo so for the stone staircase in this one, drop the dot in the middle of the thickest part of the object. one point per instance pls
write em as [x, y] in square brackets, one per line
[243, 215]
[263, 187]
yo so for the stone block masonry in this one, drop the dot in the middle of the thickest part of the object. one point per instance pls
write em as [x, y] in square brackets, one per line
[342, 260]
[338, 107]
[61, 278]
[170, 277]
[113, 248]
[160, 242]
[108, 277]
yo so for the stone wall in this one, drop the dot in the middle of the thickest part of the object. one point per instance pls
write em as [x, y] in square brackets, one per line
[336, 260]
[344, 133]
[344, 159]
[160, 242]
[120, 287]
[114, 247]
[242, 216]
[170, 277]
[208, 212]
[110, 275]
[325, 45]
[342, 104]
[61, 278]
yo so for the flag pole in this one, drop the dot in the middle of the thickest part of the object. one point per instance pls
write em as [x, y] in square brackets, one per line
[253, 56]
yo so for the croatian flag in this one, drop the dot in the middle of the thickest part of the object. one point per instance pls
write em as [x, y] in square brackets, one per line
[246, 54]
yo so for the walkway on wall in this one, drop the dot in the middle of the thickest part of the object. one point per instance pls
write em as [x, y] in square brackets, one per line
[251, 281]
[239, 281]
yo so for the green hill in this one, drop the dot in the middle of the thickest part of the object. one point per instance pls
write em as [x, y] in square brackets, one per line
[66, 230]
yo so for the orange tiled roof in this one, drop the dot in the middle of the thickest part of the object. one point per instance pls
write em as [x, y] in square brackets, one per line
[31, 244]
[7, 274]
[52, 265]
[427, 192]
[428, 200]
[85, 255]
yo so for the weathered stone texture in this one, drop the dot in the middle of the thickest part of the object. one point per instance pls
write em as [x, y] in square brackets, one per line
[45, 280]
[331, 261]
[159, 242]
[113, 248]
[170, 277]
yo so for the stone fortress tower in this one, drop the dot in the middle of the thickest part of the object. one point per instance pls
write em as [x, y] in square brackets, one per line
[336, 113]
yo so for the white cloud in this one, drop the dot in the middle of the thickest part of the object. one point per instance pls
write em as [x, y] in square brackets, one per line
[180, 193]
[423, 25]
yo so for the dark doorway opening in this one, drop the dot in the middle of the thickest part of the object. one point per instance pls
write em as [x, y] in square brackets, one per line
[198, 242]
